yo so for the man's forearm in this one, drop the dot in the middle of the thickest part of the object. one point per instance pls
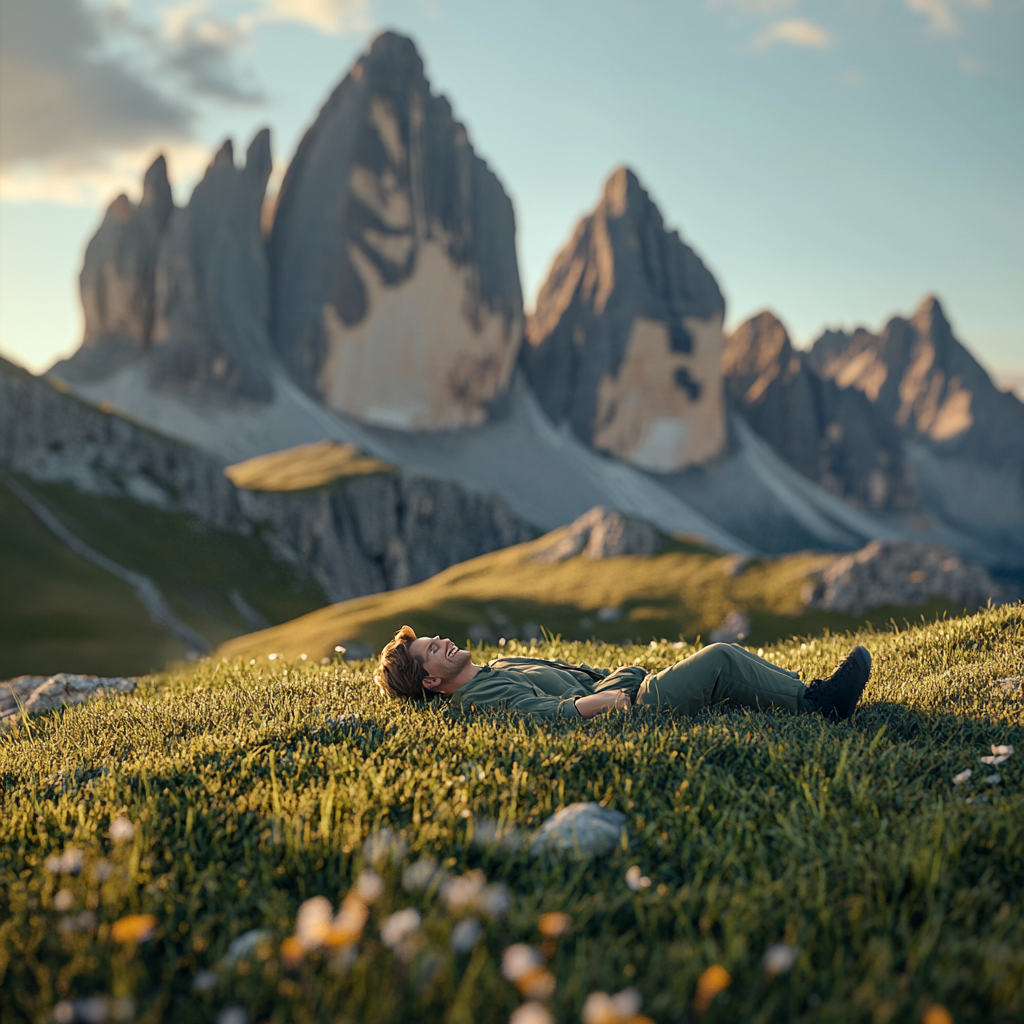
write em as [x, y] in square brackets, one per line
[593, 703]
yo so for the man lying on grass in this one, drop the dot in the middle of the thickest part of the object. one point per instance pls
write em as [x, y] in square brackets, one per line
[425, 668]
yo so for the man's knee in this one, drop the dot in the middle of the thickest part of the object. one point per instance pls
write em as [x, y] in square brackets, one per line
[719, 652]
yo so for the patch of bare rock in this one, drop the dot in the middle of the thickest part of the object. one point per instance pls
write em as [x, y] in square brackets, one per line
[599, 533]
[33, 694]
[886, 572]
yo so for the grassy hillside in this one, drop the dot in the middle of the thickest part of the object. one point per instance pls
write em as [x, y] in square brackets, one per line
[59, 613]
[896, 895]
[305, 467]
[686, 591]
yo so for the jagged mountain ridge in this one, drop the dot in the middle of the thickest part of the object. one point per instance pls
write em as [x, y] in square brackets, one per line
[621, 401]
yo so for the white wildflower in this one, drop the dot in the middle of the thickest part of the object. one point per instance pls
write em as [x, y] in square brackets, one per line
[369, 886]
[531, 1013]
[959, 780]
[123, 1009]
[465, 934]
[994, 779]
[636, 880]
[598, 1009]
[121, 829]
[463, 892]
[1006, 749]
[995, 759]
[399, 926]
[64, 900]
[627, 1003]
[313, 921]
[779, 959]
[518, 960]
[63, 1012]
[420, 874]
[233, 1015]
[495, 900]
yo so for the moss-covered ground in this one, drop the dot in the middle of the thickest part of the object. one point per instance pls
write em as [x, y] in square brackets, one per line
[243, 791]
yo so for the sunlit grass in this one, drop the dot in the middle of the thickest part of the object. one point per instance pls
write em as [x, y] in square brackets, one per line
[157, 848]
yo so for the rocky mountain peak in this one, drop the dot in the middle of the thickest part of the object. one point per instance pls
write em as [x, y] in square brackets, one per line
[156, 192]
[212, 283]
[832, 436]
[117, 283]
[625, 342]
[396, 290]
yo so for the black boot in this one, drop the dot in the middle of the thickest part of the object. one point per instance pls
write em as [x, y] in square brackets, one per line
[837, 696]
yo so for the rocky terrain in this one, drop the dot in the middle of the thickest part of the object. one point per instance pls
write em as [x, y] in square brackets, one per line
[902, 574]
[396, 294]
[625, 343]
[362, 536]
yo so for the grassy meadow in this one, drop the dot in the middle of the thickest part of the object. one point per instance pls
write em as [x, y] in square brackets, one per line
[60, 613]
[142, 836]
[682, 593]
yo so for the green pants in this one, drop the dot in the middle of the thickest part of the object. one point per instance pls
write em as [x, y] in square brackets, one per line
[722, 672]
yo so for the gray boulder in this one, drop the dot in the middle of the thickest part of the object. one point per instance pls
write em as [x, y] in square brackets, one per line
[396, 290]
[598, 533]
[117, 283]
[580, 830]
[830, 434]
[625, 343]
[211, 331]
[884, 573]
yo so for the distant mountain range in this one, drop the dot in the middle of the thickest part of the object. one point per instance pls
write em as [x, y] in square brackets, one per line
[379, 304]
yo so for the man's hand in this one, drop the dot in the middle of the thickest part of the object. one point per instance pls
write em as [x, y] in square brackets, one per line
[593, 703]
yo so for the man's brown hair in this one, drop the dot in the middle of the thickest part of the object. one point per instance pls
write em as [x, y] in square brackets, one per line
[398, 673]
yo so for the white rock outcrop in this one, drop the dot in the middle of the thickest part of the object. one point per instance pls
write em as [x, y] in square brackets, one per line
[625, 344]
[32, 694]
[396, 290]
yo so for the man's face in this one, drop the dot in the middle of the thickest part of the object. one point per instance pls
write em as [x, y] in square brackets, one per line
[441, 659]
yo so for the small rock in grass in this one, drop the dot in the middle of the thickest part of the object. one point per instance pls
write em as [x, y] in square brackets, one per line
[581, 830]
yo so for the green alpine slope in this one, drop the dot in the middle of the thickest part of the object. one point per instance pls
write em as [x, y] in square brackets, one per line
[686, 591]
[58, 612]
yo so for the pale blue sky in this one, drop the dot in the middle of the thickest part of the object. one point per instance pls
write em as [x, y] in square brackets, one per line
[833, 161]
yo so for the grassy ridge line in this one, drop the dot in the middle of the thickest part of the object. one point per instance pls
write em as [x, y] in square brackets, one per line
[48, 618]
[686, 591]
[305, 467]
[848, 842]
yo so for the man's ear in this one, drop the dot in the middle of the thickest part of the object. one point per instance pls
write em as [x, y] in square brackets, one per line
[431, 682]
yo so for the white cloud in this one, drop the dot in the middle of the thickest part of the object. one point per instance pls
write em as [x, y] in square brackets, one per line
[941, 19]
[795, 32]
[331, 17]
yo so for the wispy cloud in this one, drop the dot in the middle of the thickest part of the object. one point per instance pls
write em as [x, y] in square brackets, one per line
[941, 19]
[767, 7]
[794, 32]
[89, 95]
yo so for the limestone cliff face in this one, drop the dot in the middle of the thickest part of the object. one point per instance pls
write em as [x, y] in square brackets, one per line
[625, 343]
[117, 282]
[964, 436]
[396, 290]
[369, 535]
[833, 436]
[211, 331]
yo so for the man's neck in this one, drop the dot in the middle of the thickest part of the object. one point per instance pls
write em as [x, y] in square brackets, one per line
[456, 683]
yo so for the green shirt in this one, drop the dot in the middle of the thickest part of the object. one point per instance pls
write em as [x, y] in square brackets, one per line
[545, 689]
